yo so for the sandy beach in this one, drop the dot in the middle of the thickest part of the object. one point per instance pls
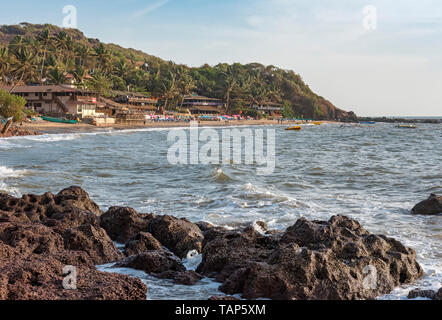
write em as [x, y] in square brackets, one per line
[53, 127]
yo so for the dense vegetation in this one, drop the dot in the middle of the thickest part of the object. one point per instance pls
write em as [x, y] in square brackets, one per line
[11, 106]
[48, 54]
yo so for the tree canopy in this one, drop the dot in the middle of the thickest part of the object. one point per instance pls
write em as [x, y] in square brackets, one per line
[51, 55]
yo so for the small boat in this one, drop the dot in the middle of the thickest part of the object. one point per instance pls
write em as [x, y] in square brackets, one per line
[295, 128]
[368, 122]
[317, 123]
[59, 120]
[406, 126]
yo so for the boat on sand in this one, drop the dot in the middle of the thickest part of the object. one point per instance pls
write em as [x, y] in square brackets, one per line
[59, 120]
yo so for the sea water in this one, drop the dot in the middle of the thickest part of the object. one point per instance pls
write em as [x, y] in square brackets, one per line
[374, 174]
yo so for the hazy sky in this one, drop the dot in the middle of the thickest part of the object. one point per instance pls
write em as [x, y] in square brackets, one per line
[395, 69]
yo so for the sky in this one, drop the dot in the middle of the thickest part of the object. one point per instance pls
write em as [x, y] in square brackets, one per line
[374, 57]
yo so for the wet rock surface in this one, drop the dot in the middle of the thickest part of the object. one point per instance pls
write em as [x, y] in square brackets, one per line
[428, 294]
[153, 262]
[178, 235]
[123, 223]
[336, 259]
[40, 235]
[140, 243]
[431, 206]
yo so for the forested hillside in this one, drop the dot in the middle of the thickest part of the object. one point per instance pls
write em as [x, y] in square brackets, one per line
[48, 54]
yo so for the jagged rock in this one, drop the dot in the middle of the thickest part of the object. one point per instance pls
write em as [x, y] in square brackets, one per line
[312, 260]
[94, 241]
[263, 225]
[123, 223]
[431, 206]
[178, 235]
[438, 295]
[35, 233]
[39, 277]
[419, 293]
[153, 262]
[204, 226]
[142, 242]
[31, 238]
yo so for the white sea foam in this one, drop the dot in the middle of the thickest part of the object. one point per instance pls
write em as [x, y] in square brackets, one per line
[6, 172]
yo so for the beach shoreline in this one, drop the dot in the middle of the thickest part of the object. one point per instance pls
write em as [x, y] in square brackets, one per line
[46, 127]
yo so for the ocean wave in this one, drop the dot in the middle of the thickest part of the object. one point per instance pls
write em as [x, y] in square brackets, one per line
[9, 190]
[6, 172]
[219, 176]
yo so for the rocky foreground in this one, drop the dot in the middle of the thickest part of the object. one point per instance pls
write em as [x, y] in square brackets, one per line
[15, 131]
[335, 259]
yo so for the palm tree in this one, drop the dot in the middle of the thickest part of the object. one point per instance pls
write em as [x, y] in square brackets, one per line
[82, 52]
[61, 40]
[230, 83]
[99, 84]
[186, 84]
[45, 41]
[79, 73]
[5, 63]
[57, 76]
[122, 68]
[104, 57]
[18, 44]
[168, 88]
[25, 67]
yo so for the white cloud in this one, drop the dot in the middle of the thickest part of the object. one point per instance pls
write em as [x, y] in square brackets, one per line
[150, 8]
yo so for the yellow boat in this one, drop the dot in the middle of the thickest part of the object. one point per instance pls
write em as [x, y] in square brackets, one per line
[295, 128]
[317, 123]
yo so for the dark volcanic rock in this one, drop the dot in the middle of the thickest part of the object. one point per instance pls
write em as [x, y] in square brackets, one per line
[123, 223]
[142, 242]
[438, 295]
[178, 235]
[39, 277]
[40, 235]
[429, 294]
[153, 262]
[418, 293]
[94, 241]
[31, 238]
[204, 226]
[431, 206]
[311, 260]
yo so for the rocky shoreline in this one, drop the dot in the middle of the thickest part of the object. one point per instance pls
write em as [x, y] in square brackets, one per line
[15, 131]
[326, 260]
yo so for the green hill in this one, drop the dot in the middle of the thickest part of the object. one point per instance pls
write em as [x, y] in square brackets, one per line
[34, 53]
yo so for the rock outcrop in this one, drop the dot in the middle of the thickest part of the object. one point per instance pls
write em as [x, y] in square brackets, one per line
[142, 242]
[334, 260]
[123, 223]
[428, 294]
[178, 235]
[431, 206]
[40, 235]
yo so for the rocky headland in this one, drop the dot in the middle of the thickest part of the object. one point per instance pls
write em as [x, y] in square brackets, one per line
[328, 260]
